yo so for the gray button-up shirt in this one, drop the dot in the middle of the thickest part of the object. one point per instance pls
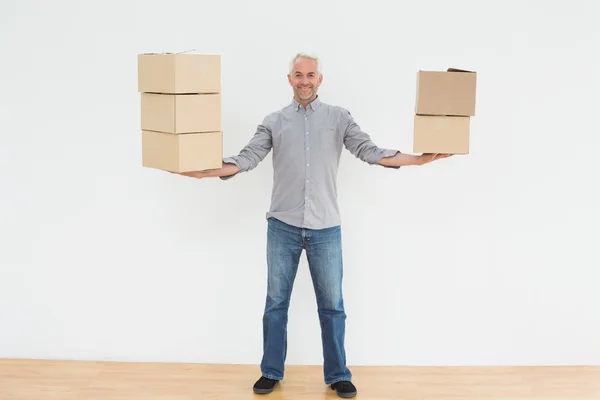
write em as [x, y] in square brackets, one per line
[307, 145]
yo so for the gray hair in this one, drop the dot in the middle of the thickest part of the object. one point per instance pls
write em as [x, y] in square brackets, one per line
[306, 55]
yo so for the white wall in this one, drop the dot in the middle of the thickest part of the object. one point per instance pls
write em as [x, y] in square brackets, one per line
[490, 258]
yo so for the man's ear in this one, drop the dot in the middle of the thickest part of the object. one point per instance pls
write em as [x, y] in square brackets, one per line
[290, 79]
[320, 79]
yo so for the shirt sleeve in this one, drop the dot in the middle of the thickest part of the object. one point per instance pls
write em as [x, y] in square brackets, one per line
[256, 150]
[359, 143]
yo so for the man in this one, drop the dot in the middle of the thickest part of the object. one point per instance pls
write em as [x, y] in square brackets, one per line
[307, 137]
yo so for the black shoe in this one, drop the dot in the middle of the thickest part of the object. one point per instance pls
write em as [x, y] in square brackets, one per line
[344, 389]
[264, 385]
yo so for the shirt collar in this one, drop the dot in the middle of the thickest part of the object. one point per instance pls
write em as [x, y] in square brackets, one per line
[313, 104]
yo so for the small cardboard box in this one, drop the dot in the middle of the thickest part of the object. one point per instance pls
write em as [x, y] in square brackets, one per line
[182, 153]
[451, 92]
[441, 134]
[179, 73]
[181, 113]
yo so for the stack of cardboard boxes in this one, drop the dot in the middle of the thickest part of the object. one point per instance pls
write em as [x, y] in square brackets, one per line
[444, 104]
[180, 111]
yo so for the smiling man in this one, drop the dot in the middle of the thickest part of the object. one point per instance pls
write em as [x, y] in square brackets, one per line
[307, 137]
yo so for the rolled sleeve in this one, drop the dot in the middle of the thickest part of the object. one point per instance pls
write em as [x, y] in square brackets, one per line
[359, 143]
[388, 153]
[255, 151]
[231, 160]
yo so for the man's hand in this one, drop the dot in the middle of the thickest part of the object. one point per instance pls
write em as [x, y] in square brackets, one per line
[401, 159]
[192, 174]
[228, 169]
[426, 158]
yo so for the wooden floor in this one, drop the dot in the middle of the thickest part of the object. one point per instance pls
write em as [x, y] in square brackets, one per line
[68, 380]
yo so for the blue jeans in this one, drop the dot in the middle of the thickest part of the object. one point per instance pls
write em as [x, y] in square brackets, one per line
[285, 244]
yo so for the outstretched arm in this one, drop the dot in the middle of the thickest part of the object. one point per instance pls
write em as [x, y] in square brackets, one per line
[249, 157]
[360, 144]
[401, 160]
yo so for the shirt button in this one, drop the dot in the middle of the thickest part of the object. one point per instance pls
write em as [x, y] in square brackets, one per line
[307, 181]
[307, 165]
[307, 133]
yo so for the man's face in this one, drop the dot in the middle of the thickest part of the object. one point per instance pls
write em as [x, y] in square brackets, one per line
[305, 79]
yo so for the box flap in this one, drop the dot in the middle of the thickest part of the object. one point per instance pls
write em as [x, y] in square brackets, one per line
[166, 53]
[459, 70]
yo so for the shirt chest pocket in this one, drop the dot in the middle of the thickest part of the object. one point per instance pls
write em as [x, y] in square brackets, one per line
[327, 139]
[282, 137]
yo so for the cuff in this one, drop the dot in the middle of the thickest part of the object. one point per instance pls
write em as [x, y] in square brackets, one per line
[388, 153]
[231, 160]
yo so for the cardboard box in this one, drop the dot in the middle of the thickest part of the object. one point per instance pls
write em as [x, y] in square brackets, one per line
[181, 113]
[441, 134]
[182, 153]
[179, 73]
[451, 92]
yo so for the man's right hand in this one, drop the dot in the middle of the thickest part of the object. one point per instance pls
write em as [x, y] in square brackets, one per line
[192, 174]
[227, 169]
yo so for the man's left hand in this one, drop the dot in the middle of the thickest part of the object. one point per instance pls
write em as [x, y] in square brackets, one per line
[426, 158]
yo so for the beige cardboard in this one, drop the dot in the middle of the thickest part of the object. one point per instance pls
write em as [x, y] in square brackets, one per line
[451, 92]
[182, 153]
[179, 73]
[441, 134]
[181, 113]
